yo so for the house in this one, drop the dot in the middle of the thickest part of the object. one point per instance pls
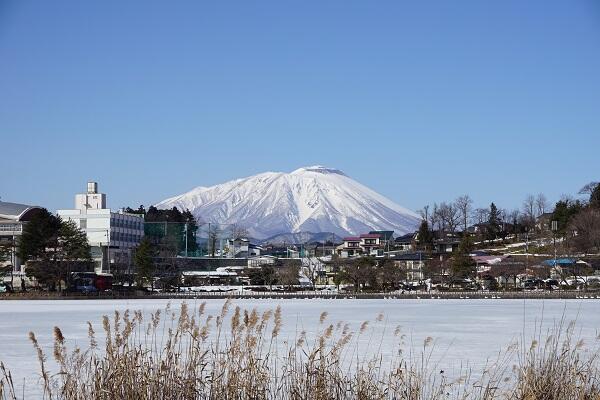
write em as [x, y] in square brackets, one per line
[412, 263]
[386, 238]
[446, 245]
[350, 247]
[367, 244]
[405, 242]
[241, 247]
[543, 223]
[371, 243]
[260, 260]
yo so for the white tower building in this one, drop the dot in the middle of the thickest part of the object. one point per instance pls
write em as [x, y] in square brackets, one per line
[112, 235]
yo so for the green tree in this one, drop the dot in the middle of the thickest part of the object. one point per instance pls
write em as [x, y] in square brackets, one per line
[144, 263]
[265, 275]
[425, 236]
[493, 224]
[463, 266]
[564, 211]
[191, 231]
[595, 197]
[39, 234]
[73, 248]
[55, 247]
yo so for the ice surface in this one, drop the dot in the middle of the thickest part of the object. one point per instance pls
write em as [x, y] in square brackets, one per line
[463, 330]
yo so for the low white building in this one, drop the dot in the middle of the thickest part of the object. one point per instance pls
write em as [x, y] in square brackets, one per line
[112, 235]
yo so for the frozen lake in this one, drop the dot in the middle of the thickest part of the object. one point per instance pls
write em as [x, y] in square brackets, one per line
[464, 331]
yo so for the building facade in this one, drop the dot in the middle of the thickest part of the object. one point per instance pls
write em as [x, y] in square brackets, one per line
[112, 235]
[13, 217]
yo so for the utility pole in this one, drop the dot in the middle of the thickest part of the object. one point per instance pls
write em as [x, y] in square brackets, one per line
[554, 229]
[186, 239]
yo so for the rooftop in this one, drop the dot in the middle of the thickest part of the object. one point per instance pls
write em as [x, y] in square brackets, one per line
[16, 211]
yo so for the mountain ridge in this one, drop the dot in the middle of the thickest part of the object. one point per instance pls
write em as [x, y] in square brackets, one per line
[308, 199]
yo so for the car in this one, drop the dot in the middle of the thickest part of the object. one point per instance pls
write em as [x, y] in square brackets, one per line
[5, 287]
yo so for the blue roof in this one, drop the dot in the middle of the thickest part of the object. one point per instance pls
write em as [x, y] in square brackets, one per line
[560, 261]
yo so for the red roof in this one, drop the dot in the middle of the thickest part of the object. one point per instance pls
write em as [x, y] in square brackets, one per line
[352, 239]
[370, 236]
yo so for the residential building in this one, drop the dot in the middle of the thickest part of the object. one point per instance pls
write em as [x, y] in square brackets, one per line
[112, 235]
[13, 217]
[405, 242]
[368, 244]
[446, 245]
[412, 263]
[350, 247]
[543, 223]
[371, 243]
[242, 247]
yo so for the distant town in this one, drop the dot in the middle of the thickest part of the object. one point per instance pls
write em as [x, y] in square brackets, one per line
[93, 250]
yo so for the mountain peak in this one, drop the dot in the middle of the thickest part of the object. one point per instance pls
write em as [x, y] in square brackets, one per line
[309, 199]
[318, 169]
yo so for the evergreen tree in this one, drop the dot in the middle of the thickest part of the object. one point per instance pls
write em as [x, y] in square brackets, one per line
[463, 266]
[73, 247]
[493, 225]
[192, 229]
[39, 234]
[425, 236]
[595, 197]
[144, 263]
[55, 245]
[564, 211]
[266, 275]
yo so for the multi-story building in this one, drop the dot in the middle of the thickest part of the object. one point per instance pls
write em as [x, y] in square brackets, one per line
[368, 244]
[112, 235]
[412, 264]
[13, 217]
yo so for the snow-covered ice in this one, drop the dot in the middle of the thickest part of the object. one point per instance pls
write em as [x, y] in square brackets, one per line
[470, 331]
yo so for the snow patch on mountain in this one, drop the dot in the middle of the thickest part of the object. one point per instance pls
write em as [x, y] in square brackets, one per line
[309, 199]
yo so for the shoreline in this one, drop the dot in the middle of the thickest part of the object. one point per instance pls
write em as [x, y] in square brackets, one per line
[562, 295]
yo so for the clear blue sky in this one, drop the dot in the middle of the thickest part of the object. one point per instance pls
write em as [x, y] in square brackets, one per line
[422, 101]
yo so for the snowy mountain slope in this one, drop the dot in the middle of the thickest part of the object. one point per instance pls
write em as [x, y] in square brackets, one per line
[301, 237]
[310, 199]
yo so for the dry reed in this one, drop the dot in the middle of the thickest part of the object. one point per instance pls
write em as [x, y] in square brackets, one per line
[190, 355]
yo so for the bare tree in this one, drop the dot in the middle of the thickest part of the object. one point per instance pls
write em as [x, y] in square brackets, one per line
[529, 209]
[586, 231]
[513, 218]
[464, 205]
[481, 215]
[288, 274]
[425, 213]
[588, 189]
[449, 216]
[311, 270]
[238, 231]
[541, 204]
[433, 218]
[214, 232]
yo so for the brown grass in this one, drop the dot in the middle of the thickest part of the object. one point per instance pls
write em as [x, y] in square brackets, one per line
[186, 354]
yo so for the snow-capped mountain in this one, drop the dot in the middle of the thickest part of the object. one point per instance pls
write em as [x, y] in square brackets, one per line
[301, 237]
[310, 199]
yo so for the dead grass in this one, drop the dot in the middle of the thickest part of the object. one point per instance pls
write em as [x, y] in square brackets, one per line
[186, 354]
